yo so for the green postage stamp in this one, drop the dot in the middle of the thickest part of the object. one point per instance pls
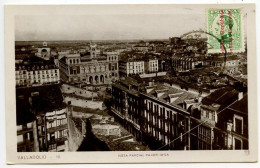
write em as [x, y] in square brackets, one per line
[226, 29]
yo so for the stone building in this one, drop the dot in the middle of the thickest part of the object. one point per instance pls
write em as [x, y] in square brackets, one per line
[95, 68]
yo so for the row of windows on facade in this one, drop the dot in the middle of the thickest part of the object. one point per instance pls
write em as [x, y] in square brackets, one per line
[208, 114]
[155, 108]
[38, 72]
[35, 68]
[111, 58]
[99, 68]
[160, 136]
[205, 134]
[73, 61]
[37, 76]
[159, 124]
[57, 135]
[41, 81]
[76, 61]
[56, 123]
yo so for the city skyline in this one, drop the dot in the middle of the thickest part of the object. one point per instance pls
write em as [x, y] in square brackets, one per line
[114, 27]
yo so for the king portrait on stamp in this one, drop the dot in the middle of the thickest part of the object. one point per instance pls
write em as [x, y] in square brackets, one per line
[227, 26]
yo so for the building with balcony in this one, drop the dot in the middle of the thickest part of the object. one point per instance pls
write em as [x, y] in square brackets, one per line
[126, 105]
[35, 71]
[95, 68]
[154, 113]
[49, 127]
[219, 121]
[165, 116]
[127, 68]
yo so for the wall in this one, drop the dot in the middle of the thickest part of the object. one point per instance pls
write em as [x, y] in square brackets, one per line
[77, 91]
[75, 136]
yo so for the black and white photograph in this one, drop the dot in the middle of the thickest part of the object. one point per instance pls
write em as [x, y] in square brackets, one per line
[122, 78]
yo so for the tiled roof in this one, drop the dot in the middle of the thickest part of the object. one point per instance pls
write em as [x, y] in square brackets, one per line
[169, 92]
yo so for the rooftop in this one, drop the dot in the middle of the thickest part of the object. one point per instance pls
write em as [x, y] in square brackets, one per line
[222, 97]
[43, 98]
[170, 95]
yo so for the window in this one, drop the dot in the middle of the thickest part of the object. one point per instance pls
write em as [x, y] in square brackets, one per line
[238, 144]
[238, 124]
[58, 122]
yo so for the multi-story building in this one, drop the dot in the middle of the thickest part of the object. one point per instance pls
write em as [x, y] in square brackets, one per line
[50, 123]
[127, 68]
[181, 63]
[153, 65]
[219, 120]
[126, 105]
[165, 118]
[35, 71]
[92, 69]
[36, 74]
[233, 123]
[26, 127]
[155, 114]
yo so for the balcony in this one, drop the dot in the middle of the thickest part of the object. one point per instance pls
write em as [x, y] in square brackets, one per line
[133, 123]
[117, 113]
[57, 128]
[23, 131]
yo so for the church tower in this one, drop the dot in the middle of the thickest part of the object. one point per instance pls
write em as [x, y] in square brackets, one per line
[93, 52]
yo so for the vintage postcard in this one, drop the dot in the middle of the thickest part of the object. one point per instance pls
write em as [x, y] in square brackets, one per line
[130, 83]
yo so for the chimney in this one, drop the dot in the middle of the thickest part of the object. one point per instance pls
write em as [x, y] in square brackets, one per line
[240, 96]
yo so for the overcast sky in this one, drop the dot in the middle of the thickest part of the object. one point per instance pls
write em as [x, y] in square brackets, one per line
[105, 27]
